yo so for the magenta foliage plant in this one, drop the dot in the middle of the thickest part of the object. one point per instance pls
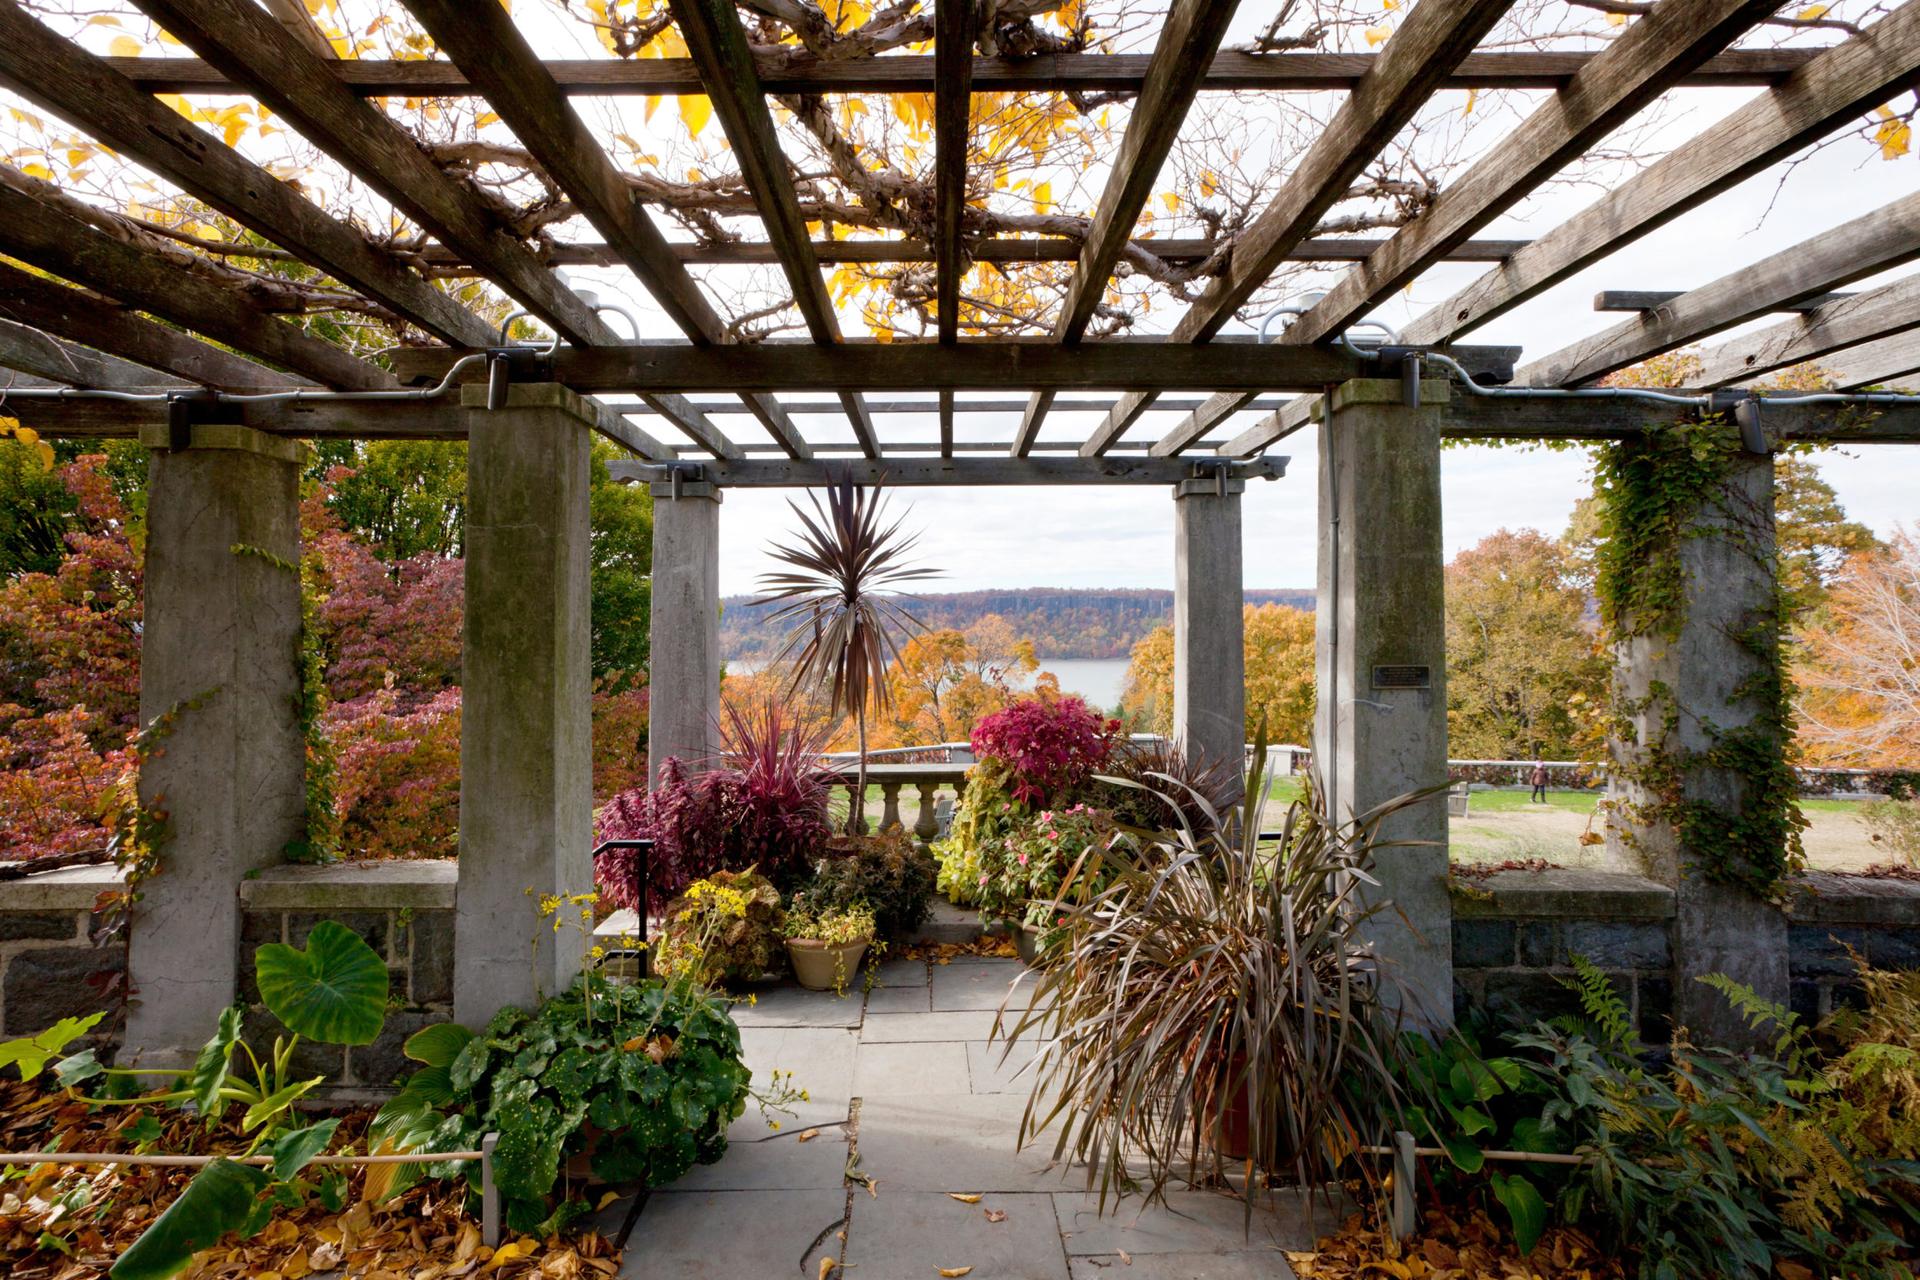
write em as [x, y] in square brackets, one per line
[1051, 745]
[764, 806]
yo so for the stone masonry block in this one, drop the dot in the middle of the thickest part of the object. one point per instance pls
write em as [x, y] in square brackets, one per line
[1540, 944]
[1820, 951]
[1483, 944]
[1611, 944]
[48, 926]
[43, 986]
[432, 958]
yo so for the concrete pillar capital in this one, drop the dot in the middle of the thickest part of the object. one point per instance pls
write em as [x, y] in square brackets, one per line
[686, 490]
[226, 435]
[1387, 392]
[1203, 487]
[534, 395]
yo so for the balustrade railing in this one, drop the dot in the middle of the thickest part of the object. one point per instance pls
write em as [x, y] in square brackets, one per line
[925, 781]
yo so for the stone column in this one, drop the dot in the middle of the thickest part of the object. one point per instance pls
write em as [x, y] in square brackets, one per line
[1209, 650]
[526, 752]
[219, 656]
[1380, 718]
[684, 676]
[1683, 687]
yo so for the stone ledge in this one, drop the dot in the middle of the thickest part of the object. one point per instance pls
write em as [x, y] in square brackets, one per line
[68, 889]
[1564, 893]
[353, 886]
[1831, 897]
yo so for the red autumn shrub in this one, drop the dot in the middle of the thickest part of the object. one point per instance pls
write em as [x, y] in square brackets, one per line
[1050, 744]
[397, 793]
[52, 783]
[619, 742]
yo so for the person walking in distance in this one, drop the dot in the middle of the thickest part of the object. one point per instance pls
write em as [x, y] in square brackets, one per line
[1539, 782]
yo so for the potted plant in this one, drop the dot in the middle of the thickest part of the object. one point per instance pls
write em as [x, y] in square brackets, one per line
[826, 944]
[724, 928]
[1049, 857]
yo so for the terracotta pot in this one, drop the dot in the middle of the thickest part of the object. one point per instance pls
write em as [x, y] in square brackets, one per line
[1236, 1122]
[821, 966]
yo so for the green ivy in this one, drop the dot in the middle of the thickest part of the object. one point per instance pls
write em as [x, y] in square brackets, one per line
[1652, 492]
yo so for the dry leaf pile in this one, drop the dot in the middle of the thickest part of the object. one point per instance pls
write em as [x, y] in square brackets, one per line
[1468, 1247]
[67, 1222]
[997, 945]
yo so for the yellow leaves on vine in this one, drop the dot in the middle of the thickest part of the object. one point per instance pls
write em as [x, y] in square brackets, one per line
[1894, 137]
[695, 110]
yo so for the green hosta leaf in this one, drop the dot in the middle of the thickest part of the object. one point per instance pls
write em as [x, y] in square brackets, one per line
[32, 1053]
[438, 1045]
[211, 1067]
[526, 1162]
[1466, 1157]
[292, 1151]
[335, 991]
[218, 1200]
[1525, 1209]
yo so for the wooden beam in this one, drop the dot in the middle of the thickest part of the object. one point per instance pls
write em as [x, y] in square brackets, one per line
[897, 472]
[1643, 300]
[1467, 417]
[1650, 57]
[588, 253]
[79, 315]
[932, 407]
[781, 72]
[1856, 318]
[924, 366]
[247, 44]
[952, 136]
[37, 231]
[946, 424]
[1890, 362]
[1190, 34]
[62, 77]
[719, 46]
[1276, 426]
[1837, 86]
[1865, 246]
[43, 356]
[1436, 35]
[692, 420]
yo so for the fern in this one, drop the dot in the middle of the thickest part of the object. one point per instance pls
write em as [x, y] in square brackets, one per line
[1602, 1004]
[1790, 1045]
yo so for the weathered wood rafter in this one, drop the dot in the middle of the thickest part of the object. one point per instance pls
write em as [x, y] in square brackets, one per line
[41, 355]
[1844, 323]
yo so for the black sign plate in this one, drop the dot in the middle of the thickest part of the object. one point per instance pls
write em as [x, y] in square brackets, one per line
[1403, 677]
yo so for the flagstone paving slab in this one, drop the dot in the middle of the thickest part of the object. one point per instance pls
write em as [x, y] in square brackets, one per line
[760, 1160]
[961, 1142]
[909, 1235]
[786, 1005]
[1182, 1266]
[914, 999]
[885, 1028]
[986, 985]
[728, 1235]
[1189, 1222]
[996, 1067]
[900, 973]
[913, 1069]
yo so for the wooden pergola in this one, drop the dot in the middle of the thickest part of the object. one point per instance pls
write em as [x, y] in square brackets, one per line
[217, 382]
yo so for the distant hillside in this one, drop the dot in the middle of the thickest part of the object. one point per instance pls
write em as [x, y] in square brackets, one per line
[1065, 622]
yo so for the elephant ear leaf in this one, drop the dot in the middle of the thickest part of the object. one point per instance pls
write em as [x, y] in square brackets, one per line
[437, 1045]
[210, 1068]
[1525, 1210]
[218, 1200]
[335, 991]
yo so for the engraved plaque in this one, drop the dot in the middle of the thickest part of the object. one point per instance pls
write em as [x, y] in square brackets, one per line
[1403, 676]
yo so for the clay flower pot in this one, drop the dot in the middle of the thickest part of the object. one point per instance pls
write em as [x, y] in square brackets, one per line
[823, 966]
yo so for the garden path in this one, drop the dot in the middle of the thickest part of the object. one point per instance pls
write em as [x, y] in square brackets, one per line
[907, 1090]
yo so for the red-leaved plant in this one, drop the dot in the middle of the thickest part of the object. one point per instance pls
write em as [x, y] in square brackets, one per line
[1051, 745]
[765, 808]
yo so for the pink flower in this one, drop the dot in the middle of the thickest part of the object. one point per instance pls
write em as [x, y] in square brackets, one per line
[1023, 859]
[1053, 835]
[983, 877]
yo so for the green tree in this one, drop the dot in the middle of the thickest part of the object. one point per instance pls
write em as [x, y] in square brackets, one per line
[406, 497]
[1523, 656]
[621, 554]
[1813, 534]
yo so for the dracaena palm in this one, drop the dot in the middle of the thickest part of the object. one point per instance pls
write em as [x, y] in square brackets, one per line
[840, 591]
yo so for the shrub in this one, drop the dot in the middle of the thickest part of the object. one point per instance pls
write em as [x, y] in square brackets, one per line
[1051, 745]
[397, 790]
[816, 921]
[1031, 864]
[1895, 826]
[767, 809]
[1167, 787]
[638, 1082]
[887, 872]
[724, 926]
[987, 809]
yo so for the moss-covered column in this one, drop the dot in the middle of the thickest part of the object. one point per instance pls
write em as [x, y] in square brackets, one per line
[1700, 790]
[526, 767]
[1209, 647]
[683, 700]
[220, 664]
[1380, 719]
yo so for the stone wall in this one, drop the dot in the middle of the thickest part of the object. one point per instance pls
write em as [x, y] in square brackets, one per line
[405, 912]
[1516, 933]
[50, 967]
[1878, 918]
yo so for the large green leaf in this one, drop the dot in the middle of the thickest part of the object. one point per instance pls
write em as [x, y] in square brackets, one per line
[210, 1069]
[293, 1150]
[437, 1045]
[217, 1201]
[335, 991]
[1525, 1209]
[31, 1053]
[271, 1107]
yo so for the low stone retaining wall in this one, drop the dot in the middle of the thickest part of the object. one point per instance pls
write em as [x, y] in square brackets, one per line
[1878, 918]
[405, 912]
[50, 967]
[1516, 933]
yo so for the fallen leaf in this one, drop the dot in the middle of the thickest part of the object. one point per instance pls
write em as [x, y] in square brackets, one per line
[808, 1136]
[964, 1197]
[605, 1200]
[1125, 1256]
[952, 1273]
[996, 1215]
[826, 1265]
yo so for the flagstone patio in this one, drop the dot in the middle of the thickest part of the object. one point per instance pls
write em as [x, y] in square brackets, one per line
[907, 1091]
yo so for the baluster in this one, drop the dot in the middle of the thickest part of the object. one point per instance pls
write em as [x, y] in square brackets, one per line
[856, 805]
[927, 825]
[890, 809]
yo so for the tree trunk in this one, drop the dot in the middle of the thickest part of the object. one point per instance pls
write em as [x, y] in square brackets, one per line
[857, 802]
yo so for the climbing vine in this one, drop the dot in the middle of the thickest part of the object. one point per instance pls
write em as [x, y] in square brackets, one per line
[1656, 494]
[320, 840]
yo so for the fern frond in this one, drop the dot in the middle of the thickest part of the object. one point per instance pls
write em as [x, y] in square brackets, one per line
[1603, 1006]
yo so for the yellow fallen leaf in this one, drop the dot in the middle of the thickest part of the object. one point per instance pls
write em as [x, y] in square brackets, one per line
[826, 1265]
[996, 1215]
[606, 1200]
[511, 1250]
[952, 1273]
[808, 1136]
[963, 1197]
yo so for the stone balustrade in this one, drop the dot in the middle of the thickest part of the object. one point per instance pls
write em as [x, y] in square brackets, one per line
[926, 781]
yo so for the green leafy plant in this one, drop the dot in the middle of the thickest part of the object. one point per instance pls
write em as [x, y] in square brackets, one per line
[641, 1091]
[835, 926]
[987, 810]
[836, 597]
[1217, 1004]
[726, 926]
[30, 1054]
[888, 872]
[1025, 870]
[333, 991]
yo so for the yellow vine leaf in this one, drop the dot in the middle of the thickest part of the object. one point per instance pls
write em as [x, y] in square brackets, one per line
[964, 1197]
[1377, 35]
[1812, 12]
[696, 109]
[1894, 136]
[1616, 19]
[953, 1273]
[1472, 94]
[1043, 197]
[124, 47]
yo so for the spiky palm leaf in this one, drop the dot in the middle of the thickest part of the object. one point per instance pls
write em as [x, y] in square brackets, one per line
[840, 604]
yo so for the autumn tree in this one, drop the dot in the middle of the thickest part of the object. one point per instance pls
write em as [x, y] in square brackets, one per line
[1278, 652]
[1523, 657]
[944, 681]
[1859, 668]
